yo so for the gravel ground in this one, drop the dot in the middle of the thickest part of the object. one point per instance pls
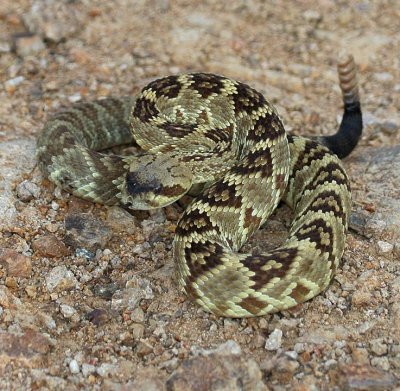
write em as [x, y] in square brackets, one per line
[87, 293]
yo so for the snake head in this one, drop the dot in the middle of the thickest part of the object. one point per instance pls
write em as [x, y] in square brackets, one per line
[154, 181]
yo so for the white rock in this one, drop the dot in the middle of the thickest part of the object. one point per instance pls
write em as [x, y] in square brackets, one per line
[299, 347]
[14, 82]
[74, 366]
[88, 369]
[106, 369]
[274, 340]
[60, 278]
[312, 15]
[384, 247]
[292, 354]
[75, 97]
[67, 310]
[225, 349]
[54, 205]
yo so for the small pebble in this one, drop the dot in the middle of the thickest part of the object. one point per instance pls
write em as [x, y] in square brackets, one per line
[384, 247]
[74, 366]
[137, 330]
[129, 298]
[383, 76]
[105, 291]
[86, 231]
[50, 246]
[381, 362]
[67, 311]
[27, 191]
[330, 363]
[299, 347]
[137, 315]
[54, 205]
[312, 15]
[105, 369]
[5, 47]
[12, 84]
[292, 354]
[378, 347]
[120, 220]
[274, 340]
[83, 253]
[362, 298]
[98, 316]
[88, 369]
[11, 283]
[15, 264]
[360, 355]
[366, 326]
[143, 348]
[29, 45]
[388, 127]
[157, 215]
[75, 97]
[60, 279]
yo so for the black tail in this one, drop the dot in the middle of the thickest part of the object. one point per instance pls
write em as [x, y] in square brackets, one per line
[350, 130]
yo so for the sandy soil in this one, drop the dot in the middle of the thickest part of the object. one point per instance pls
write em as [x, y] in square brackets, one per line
[105, 312]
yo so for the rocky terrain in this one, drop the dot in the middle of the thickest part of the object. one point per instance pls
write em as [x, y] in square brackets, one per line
[87, 293]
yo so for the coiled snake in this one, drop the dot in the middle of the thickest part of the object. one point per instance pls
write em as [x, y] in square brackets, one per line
[206, 131]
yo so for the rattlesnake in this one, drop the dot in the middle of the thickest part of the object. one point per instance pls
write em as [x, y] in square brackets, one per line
[219, 136]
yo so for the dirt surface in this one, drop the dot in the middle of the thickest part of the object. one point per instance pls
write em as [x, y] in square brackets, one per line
[87, 293]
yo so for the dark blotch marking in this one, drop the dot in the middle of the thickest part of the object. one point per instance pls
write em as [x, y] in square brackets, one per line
[73, 118]
[194, 221]
[247, 99]
[299, 293]
[223, 135]
[213, 195]
[246, 166]
[145, 110]
[265, 127]
[196, 157]
[168, 86]
[250, 220]
[312, 152]
[210, 252]
[262, 277]
[178, 130]
[173, 191]
[312, 230]
[60, 132]
[206, 84]
[137, 185]
[325, 207]
[331, 169]
[252, 304]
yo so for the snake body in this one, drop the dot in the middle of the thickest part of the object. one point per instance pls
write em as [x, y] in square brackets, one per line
[208, 132]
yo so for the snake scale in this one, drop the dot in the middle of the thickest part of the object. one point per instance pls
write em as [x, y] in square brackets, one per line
[219, 136]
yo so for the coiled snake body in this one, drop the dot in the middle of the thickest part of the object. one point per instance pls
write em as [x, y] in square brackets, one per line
[207, 131]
